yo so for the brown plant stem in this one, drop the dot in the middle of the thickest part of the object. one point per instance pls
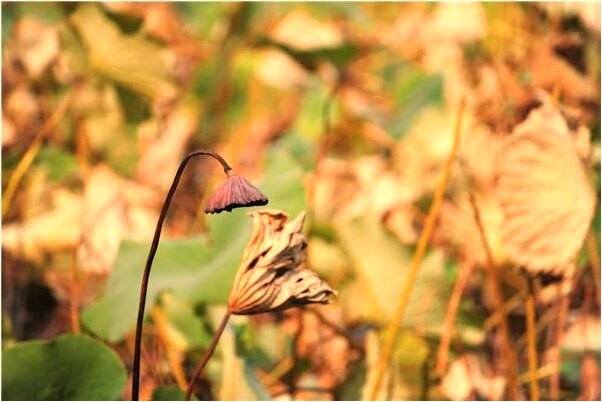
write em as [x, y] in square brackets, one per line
[563, 309]
[594, 260]
[531, 344]
[74, 295]
[208, 354]
[450, 317]
[394, 324]
[496, 292]
[151, 256]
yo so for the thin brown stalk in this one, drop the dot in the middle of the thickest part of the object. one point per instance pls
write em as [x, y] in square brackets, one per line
[563, 309]
[540, 373]
[531, 345]
[509, 305]
[496, 292]
[74, 295]
[450, 317]
[208, 354]
[31, 153]
[150, 258]
[594, 259]
[394, 324]
[281, 369]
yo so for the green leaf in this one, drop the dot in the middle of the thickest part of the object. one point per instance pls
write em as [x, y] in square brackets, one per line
[130, 60]
[283, 182]
[71, 367]
[413, 90]
[191, 268]
[181, 315]
[58, 163]
[199, 269]
[381, 264]
[339, 56]
[309, 122]
[253, 382]
[170, 394]
[201, 17]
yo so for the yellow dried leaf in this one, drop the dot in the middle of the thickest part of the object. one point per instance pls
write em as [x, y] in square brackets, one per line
[544, 192]
[114, 209]
[301, 31]
[280, 70]
[161, 156]
[37, 45]
[55, 230]
[130, 60]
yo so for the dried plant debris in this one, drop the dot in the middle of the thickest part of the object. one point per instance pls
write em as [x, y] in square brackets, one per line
[320, 338]
[272, 275]
[545, 194]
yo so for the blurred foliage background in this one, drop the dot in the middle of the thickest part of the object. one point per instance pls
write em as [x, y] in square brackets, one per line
[344, 110]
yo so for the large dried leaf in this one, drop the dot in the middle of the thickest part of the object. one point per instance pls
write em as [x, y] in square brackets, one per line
[39, 234]
[115, 209]
[546, 197]
[130, 60]
[380, 264]
[164, 145]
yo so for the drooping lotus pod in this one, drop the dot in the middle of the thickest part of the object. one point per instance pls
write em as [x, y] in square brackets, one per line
[234, 193]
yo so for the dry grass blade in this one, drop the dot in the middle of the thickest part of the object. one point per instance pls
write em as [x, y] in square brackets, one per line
[511, 365]
[594, 258]
[394, 324]
[532, 345]
[32, 151]
[544, 192]
[448, 325]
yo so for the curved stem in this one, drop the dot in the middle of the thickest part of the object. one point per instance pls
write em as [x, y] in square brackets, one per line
[498, 297]
[208, 354]
[532, 343]
[151, 256]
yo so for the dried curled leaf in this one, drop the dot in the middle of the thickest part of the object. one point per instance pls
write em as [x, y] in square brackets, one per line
[544, 193]
[271, 276]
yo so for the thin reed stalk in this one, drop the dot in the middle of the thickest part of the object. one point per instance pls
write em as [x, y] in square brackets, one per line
[532, 345]
[74, 295]
[208, 354]
[563, 309]
[31, 153]
[394, 324]
[594, 260]
[450, 317]
[496, 293]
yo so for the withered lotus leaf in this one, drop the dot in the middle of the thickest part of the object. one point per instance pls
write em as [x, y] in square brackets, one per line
[545, 194]
[272, 275]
